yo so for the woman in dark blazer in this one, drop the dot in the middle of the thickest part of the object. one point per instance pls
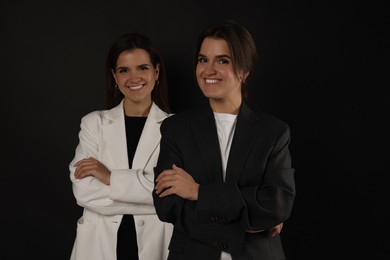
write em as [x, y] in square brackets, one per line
[224, 177]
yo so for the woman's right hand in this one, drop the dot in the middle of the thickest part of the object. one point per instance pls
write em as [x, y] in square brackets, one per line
[275, 230]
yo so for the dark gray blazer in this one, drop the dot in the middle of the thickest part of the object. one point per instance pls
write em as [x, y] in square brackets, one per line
[258, 192]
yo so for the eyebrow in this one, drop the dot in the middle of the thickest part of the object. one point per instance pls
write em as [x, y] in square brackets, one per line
[218, 56]
[145, 64]
[138, 66]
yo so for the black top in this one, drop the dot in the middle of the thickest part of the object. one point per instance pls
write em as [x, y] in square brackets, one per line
[127, 239]
[134, 127]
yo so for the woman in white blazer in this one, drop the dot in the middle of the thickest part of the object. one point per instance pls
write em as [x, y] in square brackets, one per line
[112, 171]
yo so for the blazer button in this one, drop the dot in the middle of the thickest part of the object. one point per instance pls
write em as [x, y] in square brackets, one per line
[140, 222]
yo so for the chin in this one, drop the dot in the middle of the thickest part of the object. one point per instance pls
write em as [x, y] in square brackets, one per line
[214, 97]
[208, 93]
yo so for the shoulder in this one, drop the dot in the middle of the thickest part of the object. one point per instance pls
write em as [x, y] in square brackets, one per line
[272, 120]
[157, 114]
[268, 122]
[104, 115]
[93, 116]
[276, 128]
[184, 117]
[174, 121]
[91, 123]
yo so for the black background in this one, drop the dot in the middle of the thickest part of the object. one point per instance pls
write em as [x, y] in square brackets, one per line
[322, 68]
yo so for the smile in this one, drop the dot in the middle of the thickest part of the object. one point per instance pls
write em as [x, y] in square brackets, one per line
[136, 87]
[212, 81]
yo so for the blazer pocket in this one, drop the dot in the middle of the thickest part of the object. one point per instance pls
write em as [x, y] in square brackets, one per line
[85, 240]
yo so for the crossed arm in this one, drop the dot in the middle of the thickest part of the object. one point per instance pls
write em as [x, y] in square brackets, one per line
[179, 182]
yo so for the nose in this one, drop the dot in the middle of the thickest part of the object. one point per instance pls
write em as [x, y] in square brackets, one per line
[209, 69]
[134, 76]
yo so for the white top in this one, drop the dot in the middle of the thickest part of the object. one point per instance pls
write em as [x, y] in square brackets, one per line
[226, 124]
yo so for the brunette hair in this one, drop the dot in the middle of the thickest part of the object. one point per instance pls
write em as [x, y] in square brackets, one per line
[131, 41]
[240, 42]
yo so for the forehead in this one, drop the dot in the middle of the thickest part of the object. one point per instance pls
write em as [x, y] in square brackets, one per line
[134, 57]
[214, 47]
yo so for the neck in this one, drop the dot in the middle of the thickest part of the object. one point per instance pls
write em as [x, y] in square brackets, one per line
[225, 106]
[137, 109]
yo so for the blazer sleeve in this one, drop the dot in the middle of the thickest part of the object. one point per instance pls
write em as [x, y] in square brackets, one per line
[263, 196]
[116, 198]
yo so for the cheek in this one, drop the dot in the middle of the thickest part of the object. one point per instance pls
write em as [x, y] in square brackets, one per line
[156, 75]
[120, 82]
[199, 78]
[152, 77]
[120, 78]
[198, 72]
[232, 76]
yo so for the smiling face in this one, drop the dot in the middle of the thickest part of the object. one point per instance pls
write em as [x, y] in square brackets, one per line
[215, 72]
[135, 76]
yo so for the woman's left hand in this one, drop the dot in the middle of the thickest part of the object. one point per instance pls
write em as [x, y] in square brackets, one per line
[92, 167]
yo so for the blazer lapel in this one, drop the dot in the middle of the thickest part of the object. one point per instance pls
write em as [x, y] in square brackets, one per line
[247, 128]
[150, 137]
[114, 126]
[206, 136]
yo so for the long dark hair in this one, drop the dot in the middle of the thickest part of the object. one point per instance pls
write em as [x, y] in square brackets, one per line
[240, 42]
[131, 41]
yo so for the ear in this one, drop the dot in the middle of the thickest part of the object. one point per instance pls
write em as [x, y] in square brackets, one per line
[157, 71]
[243, 77]
[113, 74]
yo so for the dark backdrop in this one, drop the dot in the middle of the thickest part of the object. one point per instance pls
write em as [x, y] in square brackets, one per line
[320, 69]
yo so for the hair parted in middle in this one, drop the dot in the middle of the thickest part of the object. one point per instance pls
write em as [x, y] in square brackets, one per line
[128, 42]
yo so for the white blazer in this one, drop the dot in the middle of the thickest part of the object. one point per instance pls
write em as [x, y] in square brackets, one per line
[103, 136]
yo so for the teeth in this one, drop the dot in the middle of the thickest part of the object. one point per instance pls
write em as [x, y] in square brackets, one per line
[135, 87]
[211, 81]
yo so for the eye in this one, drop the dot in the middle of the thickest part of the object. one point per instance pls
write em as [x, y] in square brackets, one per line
[202, 60]
[223, 61]
[122, 70]
[143, 67]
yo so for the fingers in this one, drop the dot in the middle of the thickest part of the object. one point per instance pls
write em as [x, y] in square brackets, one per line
[176, 181]
[254, 231]
[163, 174]
[85, 160]
[165, 180]
[277, 229]
[169, 171]
[82, 171]
[166, 192]
[174, 167]
[84, 167]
